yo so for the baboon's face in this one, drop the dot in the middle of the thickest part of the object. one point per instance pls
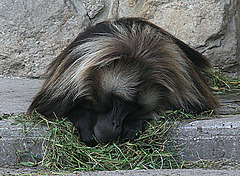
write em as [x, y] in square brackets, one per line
[111, 119]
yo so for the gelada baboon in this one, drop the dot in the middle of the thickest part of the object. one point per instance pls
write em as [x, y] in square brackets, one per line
[119, 73]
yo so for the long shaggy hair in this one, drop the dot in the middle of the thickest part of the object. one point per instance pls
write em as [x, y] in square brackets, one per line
[130, 61]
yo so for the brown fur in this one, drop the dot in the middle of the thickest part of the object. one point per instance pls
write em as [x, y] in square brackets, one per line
[131, 59]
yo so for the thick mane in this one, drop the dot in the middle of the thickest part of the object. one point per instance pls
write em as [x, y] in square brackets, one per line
[158, 58]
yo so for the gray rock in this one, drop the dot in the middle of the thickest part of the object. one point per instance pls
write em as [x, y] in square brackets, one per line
[33, 32]
[93, 8]
[224, 47]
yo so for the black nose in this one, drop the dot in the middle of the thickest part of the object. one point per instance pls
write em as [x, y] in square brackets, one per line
[107, 132]
[115, 124]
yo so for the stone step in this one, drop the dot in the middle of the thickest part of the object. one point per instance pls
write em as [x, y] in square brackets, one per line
[155, 172]
[212, 139]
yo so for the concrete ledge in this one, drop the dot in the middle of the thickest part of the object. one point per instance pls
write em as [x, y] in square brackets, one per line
[15, 139]
[162, 172]
[212, 139]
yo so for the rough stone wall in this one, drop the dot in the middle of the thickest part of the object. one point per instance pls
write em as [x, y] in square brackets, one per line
[33, 32]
